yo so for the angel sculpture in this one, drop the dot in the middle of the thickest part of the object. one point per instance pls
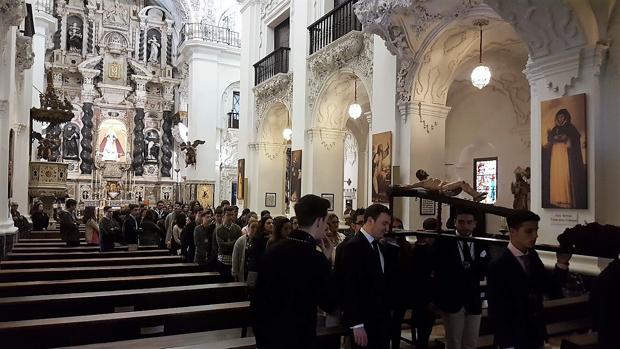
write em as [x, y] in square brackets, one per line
[190, 151]
[45, 149]
[449, 189]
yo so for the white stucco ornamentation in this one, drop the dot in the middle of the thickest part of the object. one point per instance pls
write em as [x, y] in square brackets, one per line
[556, 72]
[278, 89]
[352, 52]
[327, 137]
[404, 80]
[11, 13]
[24, 57]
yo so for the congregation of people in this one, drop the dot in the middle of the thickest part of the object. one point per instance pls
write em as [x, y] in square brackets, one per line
[308, 270]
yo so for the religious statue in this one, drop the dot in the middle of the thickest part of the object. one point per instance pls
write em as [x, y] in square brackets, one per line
[154, 45]
[115, 14]
[151, 146]
[445, 188]
[74, 33]
[110, 147]
[190, 151]
[46, 147]
[70, 142]
[520, 188]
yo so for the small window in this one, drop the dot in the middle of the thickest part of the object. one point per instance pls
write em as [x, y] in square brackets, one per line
[281, 34]
[485, 178]
[233, 115]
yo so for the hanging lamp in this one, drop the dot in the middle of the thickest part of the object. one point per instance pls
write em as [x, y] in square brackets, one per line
[481, 75]
[287, 133]
[355, 110]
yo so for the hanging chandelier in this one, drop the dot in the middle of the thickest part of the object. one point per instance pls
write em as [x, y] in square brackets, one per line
[287, 133]
[481, 75]
[355, 110]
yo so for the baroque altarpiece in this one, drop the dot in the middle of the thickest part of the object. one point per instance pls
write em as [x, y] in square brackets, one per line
[114, 60]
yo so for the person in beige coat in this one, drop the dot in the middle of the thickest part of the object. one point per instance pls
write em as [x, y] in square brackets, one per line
[239, 269]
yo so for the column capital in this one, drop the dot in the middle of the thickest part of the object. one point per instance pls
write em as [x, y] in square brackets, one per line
[271, 150]
[326, 136]
[556, 72]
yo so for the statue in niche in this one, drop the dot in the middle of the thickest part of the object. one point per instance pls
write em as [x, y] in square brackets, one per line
[74, 37]
[115, 14]
[190, 151]
[70, 138]
[520, 188]
[110, 147]
[444, 188]
[154, 45]
[151, 148]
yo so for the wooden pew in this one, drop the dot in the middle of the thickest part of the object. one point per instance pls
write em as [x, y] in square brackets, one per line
[87, 262]
[88, 303]
[84, 248]
[95, 272]
[75, 330]
[75, 255]
[581, 341]
[47, 234]
[31, 288]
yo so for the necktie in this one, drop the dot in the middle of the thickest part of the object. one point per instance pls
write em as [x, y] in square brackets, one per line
[375, 247]
[526, 263]
[467, 259]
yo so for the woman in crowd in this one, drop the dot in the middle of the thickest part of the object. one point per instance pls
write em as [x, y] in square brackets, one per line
[173, 241]
[258, 245]
[247, 218]
[239, 265]
[294, 223]
[151, 233]
[281, 228]
[91, 227]
[333, 235]
[40, 219]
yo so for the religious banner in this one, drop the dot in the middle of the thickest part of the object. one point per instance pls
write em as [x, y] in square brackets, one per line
[381, 166]
[295, 175]
[240, 179]
[205, 194]
[564, 152]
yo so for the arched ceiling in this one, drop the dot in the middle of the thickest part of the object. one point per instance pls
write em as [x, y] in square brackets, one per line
[334, 101]
[195, 11]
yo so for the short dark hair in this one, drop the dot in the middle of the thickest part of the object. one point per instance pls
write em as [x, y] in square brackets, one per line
[430, 224]
[235, 207]
[465, 211]
[225, 202]
[179, 203]
[264, 213]
[245, 211]
[421, 174]
[231, 209]
[70, 203]
[106, 208]
[132, 206]
[218, 210]
[356, 213]
[207, 211]
[309, 208]
[375, 210]
[518, 217]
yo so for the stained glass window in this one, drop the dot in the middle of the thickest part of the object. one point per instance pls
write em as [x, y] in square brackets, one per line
[485, 178]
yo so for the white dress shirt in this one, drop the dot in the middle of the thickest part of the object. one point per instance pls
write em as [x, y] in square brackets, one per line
[462, 245]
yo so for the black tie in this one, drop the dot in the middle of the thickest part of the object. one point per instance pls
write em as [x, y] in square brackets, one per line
[375, 247]
[526, 263]
[467, 260]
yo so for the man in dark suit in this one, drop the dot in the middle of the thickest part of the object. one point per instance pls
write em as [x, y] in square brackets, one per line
[366, 268]
[293, 279]
[69, 226]
[131, 227]
[516, 283]
[459, 266]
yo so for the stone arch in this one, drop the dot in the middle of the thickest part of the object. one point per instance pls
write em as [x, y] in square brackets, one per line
[277, 117]
[335, 97]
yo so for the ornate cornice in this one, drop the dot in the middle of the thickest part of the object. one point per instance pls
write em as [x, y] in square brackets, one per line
[271, 150]
[24, 57]
[556, 72]
[326, 136]
[376, 17]
[88, 88]
[278, 89]
[11, 13]
[354, 51]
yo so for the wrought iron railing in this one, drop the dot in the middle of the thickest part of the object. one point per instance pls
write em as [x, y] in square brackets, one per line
[333, 25]
[276, 62]
[46, 6]
[233, 119]
[209, 33]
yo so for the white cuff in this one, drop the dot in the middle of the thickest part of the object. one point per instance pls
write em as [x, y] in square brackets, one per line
[357, 326]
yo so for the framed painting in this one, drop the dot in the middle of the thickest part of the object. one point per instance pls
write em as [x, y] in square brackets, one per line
[381, 166]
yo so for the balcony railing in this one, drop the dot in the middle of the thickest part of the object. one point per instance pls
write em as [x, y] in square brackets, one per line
[233, 119]
[46, 6]
[276, 62]
[333, 25]
[209, 33]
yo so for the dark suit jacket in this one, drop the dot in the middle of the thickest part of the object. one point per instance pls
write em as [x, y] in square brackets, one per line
[131, 229]
[516, 300]
[366, 290]
[69, 227]
[293, 279]
[455, 286]
[605, 299]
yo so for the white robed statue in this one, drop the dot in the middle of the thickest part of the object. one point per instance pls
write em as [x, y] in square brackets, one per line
[154, 45]
[110, 147]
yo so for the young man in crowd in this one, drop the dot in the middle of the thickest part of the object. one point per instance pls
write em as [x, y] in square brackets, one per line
[226, 235]
[367, 269]
[69, 226]
[459, 266]
[131, 227]
[171, 217]
[188, 249]
[516, 283]
[160, 211]
[201, 239]
[293, 279]
[109, 230]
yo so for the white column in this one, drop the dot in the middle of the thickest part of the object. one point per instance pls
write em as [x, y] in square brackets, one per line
[269, 172]
[325, 152]
[203, 99]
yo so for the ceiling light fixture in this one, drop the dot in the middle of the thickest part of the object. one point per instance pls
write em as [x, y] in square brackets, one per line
[355, 110]
[287, 133]
[481, 75]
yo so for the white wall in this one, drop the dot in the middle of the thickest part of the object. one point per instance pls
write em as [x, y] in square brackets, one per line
[484, 123]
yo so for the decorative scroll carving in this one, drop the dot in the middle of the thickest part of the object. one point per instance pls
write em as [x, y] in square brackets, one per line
[138, 142]
[166, 148]
[352, 51]
[24, 57]
[11, 13]
[278, 89]
[86, 167]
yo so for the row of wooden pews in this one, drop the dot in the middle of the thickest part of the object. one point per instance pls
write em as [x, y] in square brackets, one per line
[53, 296]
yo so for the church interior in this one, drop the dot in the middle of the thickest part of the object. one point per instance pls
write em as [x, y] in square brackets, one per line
[149, 148]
